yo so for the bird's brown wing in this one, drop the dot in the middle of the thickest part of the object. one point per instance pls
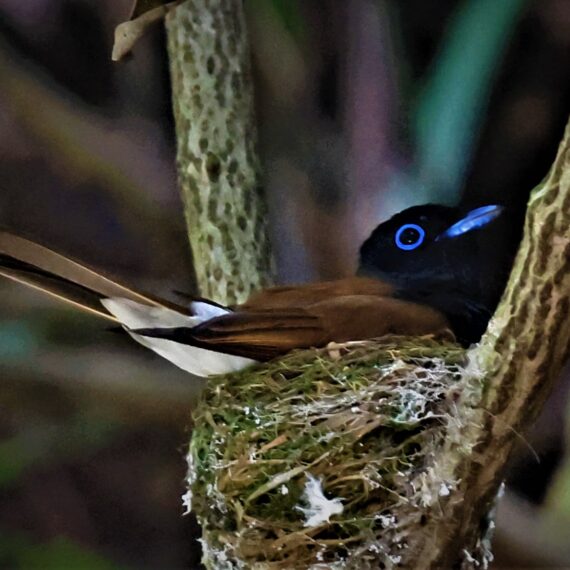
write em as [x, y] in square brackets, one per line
[39, 267]
[295, 296]
[265, 334]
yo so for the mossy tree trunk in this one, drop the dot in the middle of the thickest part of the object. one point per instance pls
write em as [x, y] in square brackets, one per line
[216, 141]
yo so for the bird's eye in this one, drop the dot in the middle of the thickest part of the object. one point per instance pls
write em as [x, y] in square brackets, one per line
[410, 236]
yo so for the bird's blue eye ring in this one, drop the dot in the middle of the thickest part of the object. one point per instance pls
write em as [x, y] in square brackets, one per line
[410, 236]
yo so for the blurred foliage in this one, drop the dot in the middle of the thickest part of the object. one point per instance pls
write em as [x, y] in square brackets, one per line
[47, 442]
[451, 107]
[289, 12]
[558, 498]
[17, 340]
[19, 553]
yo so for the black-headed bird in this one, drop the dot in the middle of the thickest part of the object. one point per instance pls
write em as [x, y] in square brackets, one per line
[426, 270]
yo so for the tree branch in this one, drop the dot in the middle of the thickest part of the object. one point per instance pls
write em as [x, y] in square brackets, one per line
[216, 137]
[522, 353]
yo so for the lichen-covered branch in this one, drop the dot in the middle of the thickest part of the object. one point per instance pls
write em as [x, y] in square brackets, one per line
[405, 439]
[216, 140]
[527, 342]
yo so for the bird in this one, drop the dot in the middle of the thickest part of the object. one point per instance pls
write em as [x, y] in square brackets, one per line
[426, 270]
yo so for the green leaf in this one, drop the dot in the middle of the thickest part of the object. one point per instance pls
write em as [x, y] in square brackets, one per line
[286, 14]
[449, 111]
[290, 15]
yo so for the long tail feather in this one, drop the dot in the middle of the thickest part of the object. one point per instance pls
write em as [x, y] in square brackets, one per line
[77, 298]
[41, 268]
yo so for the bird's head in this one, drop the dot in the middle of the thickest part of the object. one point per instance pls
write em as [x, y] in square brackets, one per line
[426, 243]
[452, 259]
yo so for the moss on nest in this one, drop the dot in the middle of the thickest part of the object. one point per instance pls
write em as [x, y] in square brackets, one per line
[363, 419]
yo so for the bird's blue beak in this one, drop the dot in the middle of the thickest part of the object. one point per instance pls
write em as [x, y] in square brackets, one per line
[475, 219]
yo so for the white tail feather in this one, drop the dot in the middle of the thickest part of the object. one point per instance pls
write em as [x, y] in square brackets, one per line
[138, 316]
[197, 361]
[206, 310]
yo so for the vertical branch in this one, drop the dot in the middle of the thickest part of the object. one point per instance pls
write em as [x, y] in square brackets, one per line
[216, 139]
[522, 353]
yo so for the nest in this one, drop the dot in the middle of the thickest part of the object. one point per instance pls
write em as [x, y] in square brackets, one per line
[324, 459]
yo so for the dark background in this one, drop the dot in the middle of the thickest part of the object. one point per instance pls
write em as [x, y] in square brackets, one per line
[365, 107]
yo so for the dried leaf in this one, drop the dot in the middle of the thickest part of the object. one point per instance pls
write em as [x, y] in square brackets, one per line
[145, 14]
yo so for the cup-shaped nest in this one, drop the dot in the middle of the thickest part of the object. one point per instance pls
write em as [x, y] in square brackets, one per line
[324, 458]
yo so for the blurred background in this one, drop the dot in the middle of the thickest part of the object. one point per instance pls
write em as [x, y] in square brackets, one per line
[365, 107]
